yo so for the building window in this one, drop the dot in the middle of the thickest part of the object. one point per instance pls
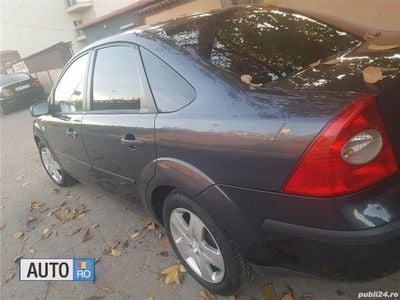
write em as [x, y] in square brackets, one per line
[78, 32]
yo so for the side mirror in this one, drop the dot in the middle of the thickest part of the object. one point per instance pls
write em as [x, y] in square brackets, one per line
[40, 108]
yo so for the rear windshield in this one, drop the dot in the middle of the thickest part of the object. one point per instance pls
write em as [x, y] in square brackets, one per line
[7, 79]
[267, 43]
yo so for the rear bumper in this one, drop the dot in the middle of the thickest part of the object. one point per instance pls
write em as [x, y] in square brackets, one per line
[356, 237]
[23, 99]
[347, 255]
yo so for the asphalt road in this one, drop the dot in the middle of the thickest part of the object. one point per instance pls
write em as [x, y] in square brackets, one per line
[135, 274]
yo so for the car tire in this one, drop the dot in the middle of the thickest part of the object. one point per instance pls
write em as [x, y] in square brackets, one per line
[236, 271]
[53, 169]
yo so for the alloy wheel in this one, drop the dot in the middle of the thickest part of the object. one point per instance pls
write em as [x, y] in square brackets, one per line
[196, 245]
[52, 167]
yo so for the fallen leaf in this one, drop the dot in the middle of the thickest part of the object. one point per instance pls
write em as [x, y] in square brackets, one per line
[1, 206]
[9, 277]
[2, 226]
[44, 210]
[35, 205]
[135, 234]
[116, 252]
[17, 258]
[19, 235]
[108, 289]
[53, 211]
[371, 35]
[331, 62]
[32, 251]
[268, 292]
[315, 64]
[46, 233]
[94, 226]
[97, 259]
[173, 274]
[207, 295]
[160, 235]
[30, 220]
[25, 184]
[247, 79]
[165, 244]
[182, 268]
[164, 253]
[382, 47]
[151, 226]
[56, 191]
[375, 74]
[74, 232]
[25, 237]
[19, 177]
[87, 236]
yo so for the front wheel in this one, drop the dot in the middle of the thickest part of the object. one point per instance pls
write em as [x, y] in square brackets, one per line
[53, 169]
[203, 247]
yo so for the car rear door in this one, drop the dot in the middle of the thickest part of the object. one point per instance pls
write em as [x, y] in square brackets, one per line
[62, 127]
[119, 128]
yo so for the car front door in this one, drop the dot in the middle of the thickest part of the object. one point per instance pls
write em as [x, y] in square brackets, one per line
[119, 128]
[62, 127]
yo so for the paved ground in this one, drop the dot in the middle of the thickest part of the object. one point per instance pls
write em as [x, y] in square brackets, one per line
[133, 275]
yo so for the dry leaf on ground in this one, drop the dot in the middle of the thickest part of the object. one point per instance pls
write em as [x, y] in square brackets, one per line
[35, 205]
[19, 235]
[46, 233]
[2, 226]
[94, 226]
[87, 236]
[268, 292]
[32, 251]
[53, 211]
[56, 191]
[135, 234]
[207, 295]
[71, 233]
[19, 178]
[30, 220]
[165, 244]
[315, 64]
[9, 277]
[173, 274]
[151, 226]
[247, 79]
[1, 206]
[116, 252]
[108, 289]
[382, 47]
[108, 249]
[375, 74]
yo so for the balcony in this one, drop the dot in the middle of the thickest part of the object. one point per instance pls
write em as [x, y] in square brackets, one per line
[79, 35]
[75, 6]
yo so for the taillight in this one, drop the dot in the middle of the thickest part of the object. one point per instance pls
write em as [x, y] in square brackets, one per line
[352, 152]
[36, 83]
[6, 93]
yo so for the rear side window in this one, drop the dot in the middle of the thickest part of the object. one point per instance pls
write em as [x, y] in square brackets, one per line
[119, 82]
[268, 43]
[170, 90]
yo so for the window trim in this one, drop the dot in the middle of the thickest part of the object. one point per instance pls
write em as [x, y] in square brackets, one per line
[142, 74]
[85, 86]
[173, 69]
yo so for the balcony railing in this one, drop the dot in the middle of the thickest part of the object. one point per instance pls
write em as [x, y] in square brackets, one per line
[73, 6]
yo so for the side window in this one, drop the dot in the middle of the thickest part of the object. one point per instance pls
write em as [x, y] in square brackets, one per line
[170, 90]
[119, 82]
[69, 93]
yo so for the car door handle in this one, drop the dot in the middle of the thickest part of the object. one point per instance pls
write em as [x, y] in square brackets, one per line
[71, 133]
[131, 141]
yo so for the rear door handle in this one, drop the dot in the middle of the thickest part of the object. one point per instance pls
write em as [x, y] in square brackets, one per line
[71, 133]
[131, 141]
